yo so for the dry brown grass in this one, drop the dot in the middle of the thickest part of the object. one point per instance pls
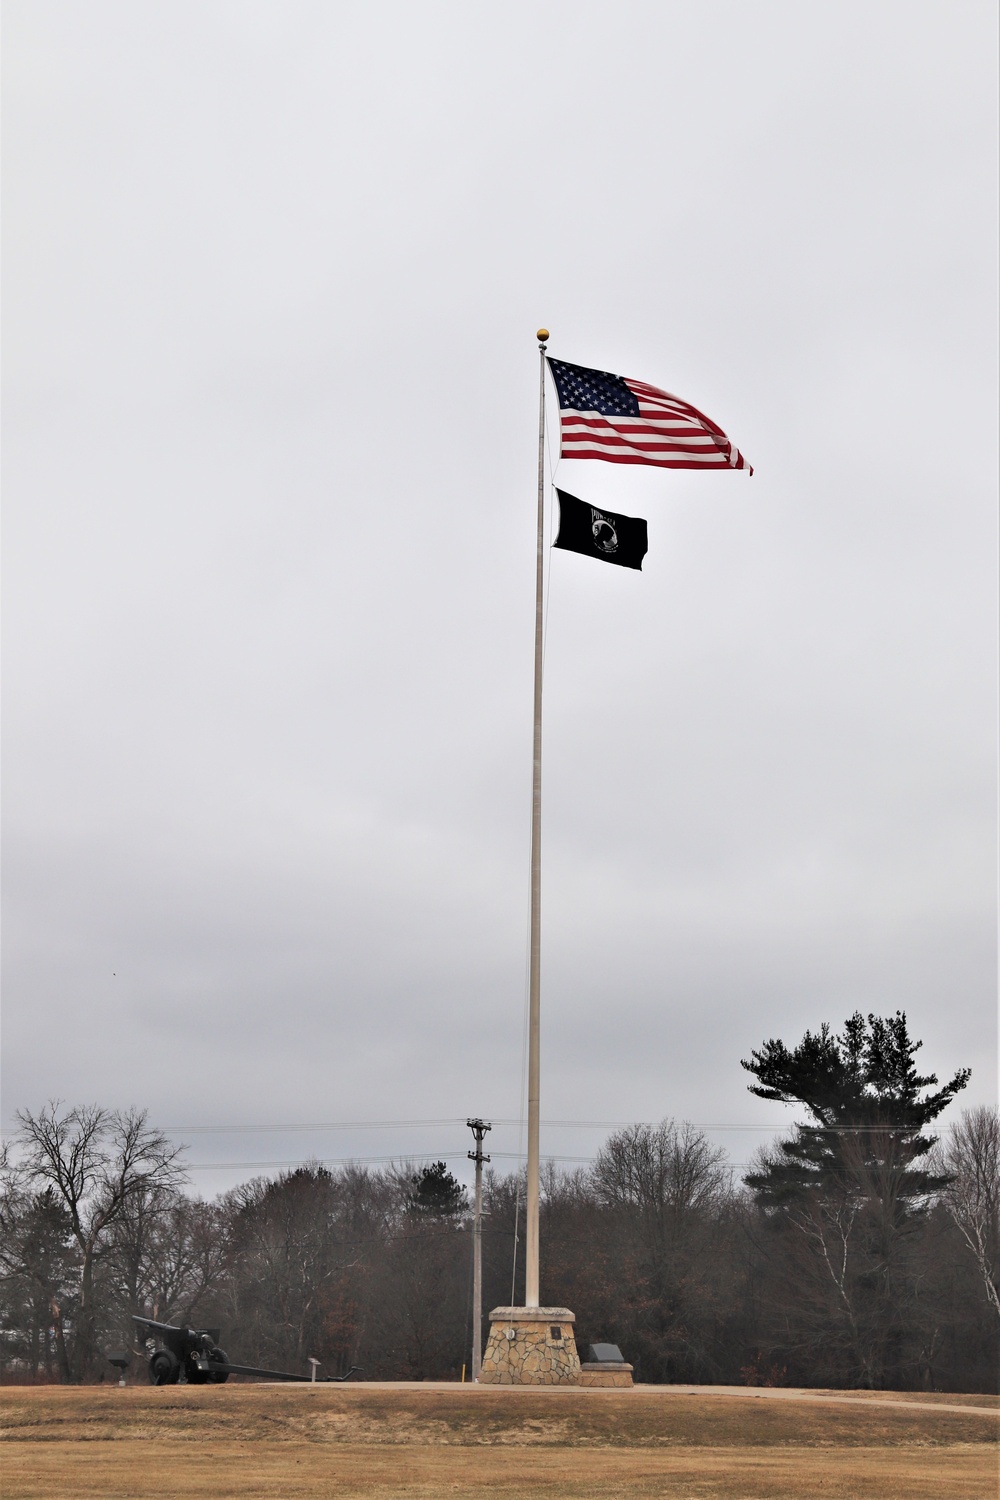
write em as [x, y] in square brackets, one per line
[385, 1441]
[304, 1471]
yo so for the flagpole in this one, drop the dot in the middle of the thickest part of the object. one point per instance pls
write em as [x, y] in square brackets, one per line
[535, 965]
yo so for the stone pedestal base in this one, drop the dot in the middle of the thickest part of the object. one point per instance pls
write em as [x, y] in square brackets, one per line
[531, 1346]
[607, 1373]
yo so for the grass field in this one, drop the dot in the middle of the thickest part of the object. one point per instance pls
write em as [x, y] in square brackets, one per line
[370, 1440]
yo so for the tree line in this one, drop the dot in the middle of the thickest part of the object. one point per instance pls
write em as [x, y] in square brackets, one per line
[860, 1250]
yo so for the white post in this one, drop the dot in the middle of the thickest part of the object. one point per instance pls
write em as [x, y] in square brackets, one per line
[534, 973]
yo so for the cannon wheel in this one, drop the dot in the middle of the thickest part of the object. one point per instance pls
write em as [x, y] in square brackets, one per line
[164, 1368]
[219, 1357]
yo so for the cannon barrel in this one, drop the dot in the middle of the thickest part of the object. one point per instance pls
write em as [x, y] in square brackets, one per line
[283, 1374]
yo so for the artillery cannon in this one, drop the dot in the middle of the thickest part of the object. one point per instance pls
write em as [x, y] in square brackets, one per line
[194, 1355]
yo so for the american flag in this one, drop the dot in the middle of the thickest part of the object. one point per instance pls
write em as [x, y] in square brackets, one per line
[629, 422]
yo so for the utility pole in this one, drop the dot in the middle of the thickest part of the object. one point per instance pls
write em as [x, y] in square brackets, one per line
[479, 1129]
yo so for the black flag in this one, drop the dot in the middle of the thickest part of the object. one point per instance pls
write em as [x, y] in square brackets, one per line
[600, 533]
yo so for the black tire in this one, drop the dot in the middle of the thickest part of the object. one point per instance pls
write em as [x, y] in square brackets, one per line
[164, 1368]
[218, 1357]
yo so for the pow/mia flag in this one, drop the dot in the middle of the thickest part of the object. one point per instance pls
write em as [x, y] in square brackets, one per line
[600, 533]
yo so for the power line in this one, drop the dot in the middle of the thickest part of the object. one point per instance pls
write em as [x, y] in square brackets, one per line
[420, 1124]
[322, 1125]
[410, 1159]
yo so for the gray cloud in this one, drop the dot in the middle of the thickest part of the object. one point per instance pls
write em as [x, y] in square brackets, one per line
[272, 276]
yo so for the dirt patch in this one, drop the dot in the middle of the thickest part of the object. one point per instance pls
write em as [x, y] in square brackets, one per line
[477, 1416]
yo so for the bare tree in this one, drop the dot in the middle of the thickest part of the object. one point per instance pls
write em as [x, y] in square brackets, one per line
[971, 1158]
[166, 1254]
[286, 1255]
[663, 1191]
[96, 1162]
[663, 1172]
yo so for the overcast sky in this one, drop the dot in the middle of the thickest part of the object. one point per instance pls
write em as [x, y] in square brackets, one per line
[272, 277]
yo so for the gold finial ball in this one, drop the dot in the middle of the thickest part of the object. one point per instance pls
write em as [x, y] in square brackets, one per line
[542, 335]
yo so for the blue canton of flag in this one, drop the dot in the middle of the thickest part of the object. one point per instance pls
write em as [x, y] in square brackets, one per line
[593, 390]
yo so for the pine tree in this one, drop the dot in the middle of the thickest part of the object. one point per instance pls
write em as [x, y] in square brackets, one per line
[437, 1192]
[844, 1197]
[866, 1099]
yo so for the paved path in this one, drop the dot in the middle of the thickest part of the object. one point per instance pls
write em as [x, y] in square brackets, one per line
[780, 1393]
